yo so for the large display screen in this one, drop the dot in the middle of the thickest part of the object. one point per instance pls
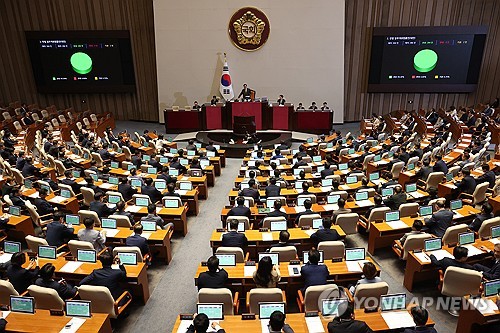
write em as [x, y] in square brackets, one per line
[426, 59]
[81, 61]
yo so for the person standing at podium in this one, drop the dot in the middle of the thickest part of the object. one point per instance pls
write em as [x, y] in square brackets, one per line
[246, 93]
[281, 101]
[214, 101]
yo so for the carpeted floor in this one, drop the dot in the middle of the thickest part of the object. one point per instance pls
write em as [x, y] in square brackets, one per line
[172, 287]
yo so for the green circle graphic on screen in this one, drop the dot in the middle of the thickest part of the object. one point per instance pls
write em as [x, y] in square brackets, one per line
[425, 60]
[81, 63]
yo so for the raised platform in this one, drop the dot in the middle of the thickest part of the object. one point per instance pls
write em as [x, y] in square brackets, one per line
[238, 149]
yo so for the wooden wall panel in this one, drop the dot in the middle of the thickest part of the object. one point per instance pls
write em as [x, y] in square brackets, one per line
[17, 83]
[362, 15]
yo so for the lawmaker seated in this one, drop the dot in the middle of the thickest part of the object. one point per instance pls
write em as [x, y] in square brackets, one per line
[346, 322]
[485, 214]
[267, 275]
[325, 232]
[234, 238]
[369, 276]
[96, 238]
[313, 273]
[47, 280]
[240, 209]
[215, 277]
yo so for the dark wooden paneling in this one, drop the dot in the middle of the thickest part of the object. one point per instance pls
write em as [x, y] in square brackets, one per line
[17, 83]
[362, 15]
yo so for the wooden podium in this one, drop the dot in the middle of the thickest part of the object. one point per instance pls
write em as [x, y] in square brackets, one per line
[243, 125]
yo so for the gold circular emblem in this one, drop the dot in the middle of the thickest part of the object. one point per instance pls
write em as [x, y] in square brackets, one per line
[249, 29]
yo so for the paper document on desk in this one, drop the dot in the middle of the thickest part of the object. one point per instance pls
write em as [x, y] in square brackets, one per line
[264, 325]
[485, 306]
[181, 192]
[398, 319]
[397, 224]
[248, 270]
[417, 194]
[344, 187]
[460, 151]
[422, 257]
[353, 266]
[57, 199]
[106, 185]
[364, 203]
[290, 270]
[34, 195]
[473, 251]
[267, 236]
[326, 189]
[146, 234]
[494, 241]
[457, 215]
[71, 266]
[330, 207]
[5, 314]
[314, 325]
[184, 325]
[111, 232]
[299, 209]
[5, 257]
[133, 209]
[82, 182]
[310, 232]
[440, 254]
[73, 325]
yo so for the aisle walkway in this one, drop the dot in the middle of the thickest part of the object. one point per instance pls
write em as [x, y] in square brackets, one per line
[176, 293]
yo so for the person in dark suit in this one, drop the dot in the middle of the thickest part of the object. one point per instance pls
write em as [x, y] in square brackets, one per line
[328, 171]
[283, 240]
[252, 191]
[213, 101]
[233, 238]
[3, 323]
[486, 213]
[43, 207]
[68, 180]
[46, 280]
[137, 240]
[120, 210]
[440, 165]
[137, 160]
[151, 191]
[281, 100]
[420, 317]
[201, 323]
[488, 176]
[58, 233]
[440, 220]
[17, 198]
[313, 106]
[467, 184]
[245, 92]
[107, 276]
[277, 211]
[20, 161]
[163, 175]
[314, 274]
[397, 199]
[104, 153]
[46, 178]
[308, 211]
[48, 144]
[300, 162]
[126, 189]
[346, 322]
[425, 170]
[326, 233]
[493, 272]
[90, 184]
[192, 146]
[177, 165]
[240, 209]
[21, 278]
[460, 256]
[272, 190]
[100, 207]
[378, 200]
[215, 277]
[29, 169]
